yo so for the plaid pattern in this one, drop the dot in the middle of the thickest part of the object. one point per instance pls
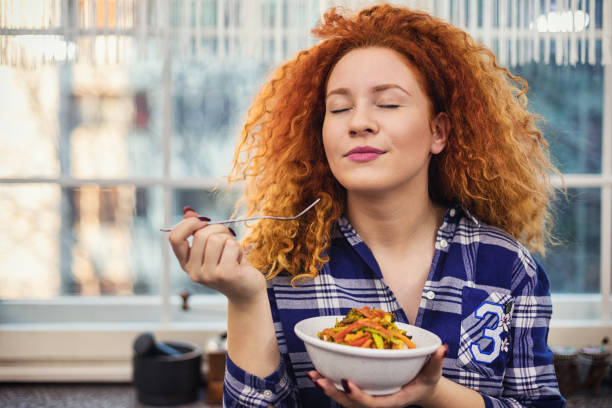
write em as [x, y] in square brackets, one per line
[485, 296]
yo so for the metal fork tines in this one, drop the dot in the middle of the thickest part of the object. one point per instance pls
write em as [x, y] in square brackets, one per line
[261, 217]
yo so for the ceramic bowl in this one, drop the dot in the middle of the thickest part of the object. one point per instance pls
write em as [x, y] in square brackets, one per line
[376, 372]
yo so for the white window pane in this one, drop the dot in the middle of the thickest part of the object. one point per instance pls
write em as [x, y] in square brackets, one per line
[81, 121]
[570, 101]
[210, 104]
[113, 121]
[29, 122]
[87, 241]
[30, 224]
[111, 240]
[573, 266]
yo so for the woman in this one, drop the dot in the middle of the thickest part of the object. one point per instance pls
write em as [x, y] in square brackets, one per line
[433, 180]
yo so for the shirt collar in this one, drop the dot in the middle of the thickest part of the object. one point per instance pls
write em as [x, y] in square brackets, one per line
[451, 218]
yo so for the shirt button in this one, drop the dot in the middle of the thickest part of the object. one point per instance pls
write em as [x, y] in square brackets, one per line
[443, 243]
[430, 295]
[267, 393]
[452, 212]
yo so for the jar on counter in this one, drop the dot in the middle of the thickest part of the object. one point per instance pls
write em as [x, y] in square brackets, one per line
[215, 358]
[565, 360]
[595, 360]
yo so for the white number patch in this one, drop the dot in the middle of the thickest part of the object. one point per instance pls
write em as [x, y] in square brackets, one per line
[492, 332]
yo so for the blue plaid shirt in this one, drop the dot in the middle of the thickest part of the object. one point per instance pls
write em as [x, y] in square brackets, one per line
[485, 296]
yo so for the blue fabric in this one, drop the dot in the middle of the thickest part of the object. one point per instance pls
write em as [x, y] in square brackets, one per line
[485, 296]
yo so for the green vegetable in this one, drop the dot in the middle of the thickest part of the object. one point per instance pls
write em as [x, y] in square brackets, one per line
[378, 340]
[352, 316]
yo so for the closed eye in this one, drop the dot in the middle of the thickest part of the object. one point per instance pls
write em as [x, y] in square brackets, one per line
[339, 110]
[388, 106]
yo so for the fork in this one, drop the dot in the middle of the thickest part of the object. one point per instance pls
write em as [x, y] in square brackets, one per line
[260, 217]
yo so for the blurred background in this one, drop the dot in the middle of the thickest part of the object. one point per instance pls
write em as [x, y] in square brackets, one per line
[116, 114]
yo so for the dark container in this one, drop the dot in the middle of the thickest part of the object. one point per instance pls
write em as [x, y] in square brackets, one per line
[565, 360]
[596, 361]
[169, 379]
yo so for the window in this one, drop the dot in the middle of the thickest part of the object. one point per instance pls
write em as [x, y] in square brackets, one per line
[116, 114]
[570, 100]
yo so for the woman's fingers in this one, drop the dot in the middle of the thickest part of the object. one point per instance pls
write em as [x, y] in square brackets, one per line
[203, 257]
[213, 250]
[190, 225]
[231, 257]
[178, 238]
[361, 399]
[432, 371]
[327, 386]
[353, 396]
[215, 258]
[189, 212]
[334, 393]
[313, 375]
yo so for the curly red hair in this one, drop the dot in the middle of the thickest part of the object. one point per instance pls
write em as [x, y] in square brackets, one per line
[496, 162]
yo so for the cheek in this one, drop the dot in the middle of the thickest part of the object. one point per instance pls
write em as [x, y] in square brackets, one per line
[327, 137]
[330, 146]
[414, 135]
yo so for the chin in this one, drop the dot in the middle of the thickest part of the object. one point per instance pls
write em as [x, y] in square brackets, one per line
[366, 186]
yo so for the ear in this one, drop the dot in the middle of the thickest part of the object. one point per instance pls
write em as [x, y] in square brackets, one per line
[440, 128]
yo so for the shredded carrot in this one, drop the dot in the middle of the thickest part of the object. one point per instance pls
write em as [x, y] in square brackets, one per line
[360, 341]
[367, 343]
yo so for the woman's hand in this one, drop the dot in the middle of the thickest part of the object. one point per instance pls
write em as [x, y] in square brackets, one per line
[419, 391]
[215, 259]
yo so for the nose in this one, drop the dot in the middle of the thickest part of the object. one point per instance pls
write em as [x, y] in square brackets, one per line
[362, 122]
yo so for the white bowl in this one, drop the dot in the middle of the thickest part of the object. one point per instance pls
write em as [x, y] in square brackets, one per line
[376, 372]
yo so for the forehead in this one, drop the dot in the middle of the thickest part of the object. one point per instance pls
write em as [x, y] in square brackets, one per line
[368, 67]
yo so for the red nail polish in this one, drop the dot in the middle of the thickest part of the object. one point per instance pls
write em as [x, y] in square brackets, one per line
[201, 218]
[232, 231]
[187, 208]
[345, 386]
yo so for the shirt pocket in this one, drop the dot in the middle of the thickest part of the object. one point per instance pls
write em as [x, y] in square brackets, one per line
[485, 331]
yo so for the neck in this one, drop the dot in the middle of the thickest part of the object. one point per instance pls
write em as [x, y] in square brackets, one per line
[395, 223]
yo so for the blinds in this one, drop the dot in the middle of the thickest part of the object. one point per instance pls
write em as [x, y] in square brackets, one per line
[39, 32]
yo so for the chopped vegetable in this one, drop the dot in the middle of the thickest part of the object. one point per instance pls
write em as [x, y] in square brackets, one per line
[368, 328]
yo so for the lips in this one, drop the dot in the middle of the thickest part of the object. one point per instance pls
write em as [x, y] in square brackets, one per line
[363, 153]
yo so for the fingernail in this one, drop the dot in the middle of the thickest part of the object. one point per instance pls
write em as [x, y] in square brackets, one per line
[187, 208]
[445, 351]
[345, 386]
[201, 218]
[232, 231]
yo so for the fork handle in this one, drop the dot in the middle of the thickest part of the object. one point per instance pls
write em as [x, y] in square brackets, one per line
[262, 217]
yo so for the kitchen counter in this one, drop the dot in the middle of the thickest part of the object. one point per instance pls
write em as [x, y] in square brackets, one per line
[60, 395]
[18, 395]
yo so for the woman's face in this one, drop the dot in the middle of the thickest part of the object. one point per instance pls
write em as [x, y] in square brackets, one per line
[376, 130]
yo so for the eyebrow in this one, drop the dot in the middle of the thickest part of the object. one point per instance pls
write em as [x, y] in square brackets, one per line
[376, 89]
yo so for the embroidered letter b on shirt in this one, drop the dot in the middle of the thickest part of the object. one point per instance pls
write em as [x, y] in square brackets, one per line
[485, 337]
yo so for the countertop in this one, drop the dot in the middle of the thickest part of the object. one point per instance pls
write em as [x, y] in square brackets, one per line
[61, 395]
[21, 395]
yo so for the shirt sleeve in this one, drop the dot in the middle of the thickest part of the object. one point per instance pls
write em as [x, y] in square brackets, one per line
[242, 389]
[530, 379]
